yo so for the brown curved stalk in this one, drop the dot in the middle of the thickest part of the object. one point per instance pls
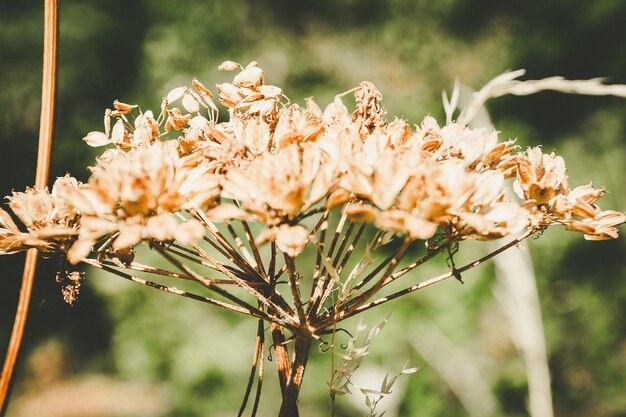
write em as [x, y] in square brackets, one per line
[46, 124]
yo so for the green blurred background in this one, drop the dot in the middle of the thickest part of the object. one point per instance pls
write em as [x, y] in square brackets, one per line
[129, 351]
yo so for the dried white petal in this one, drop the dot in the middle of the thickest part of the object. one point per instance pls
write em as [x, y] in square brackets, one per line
[175, 94]
[96, 139]
[291, 239]
[190, 103]
[228, 66]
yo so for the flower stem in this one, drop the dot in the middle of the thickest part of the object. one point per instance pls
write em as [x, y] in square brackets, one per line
[46, 125]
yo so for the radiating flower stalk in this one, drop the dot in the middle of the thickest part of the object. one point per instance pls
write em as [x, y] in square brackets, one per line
[231, 205]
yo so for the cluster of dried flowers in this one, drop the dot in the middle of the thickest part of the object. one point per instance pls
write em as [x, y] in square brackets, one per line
[181, 181]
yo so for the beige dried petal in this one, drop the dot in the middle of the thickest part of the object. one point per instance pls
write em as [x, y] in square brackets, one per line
[257, 135]
[189, 232]
[142, 136]
[54, 232]
[129, 236]
[312, 106]
[223, 212]
[80, 250]
[335, 112]
[399, 132]
[504, 212]
[199, 122]
[123, 108]
[392, 220]
[268, 235]
[610, 218]
[390, 175]
[34, 207]
[96, 139]
[540, 193]
[228, 66]
[583, 210]
[201, 88]
[586, 193]
[249, 97]
[361, 213]
[489, 188]
[209, 102]
[581, 226]
[119, 136]
[291, 240]
[263, 107]
[602, 227]
[419, 228]
[11, 243]
[252, 76]
[310, 163]
[524, 171]
[161, 227]
[561, 206]
[477, 222]
[94, 227]
[107, 122]
[603, 234]
[323, 183]
[229, 94]
[175, 94]
[7, 223]
[176, 119]
[238, 185]
[357, 182]
[337, 198]
[190, 103]
[270, 91]
[198, 187]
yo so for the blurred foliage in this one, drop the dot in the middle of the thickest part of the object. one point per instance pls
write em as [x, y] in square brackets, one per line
[136, 51]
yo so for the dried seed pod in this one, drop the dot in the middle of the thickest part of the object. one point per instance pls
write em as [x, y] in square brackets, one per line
[123, 108]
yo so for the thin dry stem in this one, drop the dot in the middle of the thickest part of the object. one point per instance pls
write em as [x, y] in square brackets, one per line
[392, 263]
[351, 312]
[252, 312]
[46, 126]
[207, 283]
[295, 289]
[255, 249]
[255, 360]
[271, 305]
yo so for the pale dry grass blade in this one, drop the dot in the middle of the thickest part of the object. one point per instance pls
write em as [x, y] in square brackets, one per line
[456, 367]
[508, 84]
[516, 287]
[516, 291]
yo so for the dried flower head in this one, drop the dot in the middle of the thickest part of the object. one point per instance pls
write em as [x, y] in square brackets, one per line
[204, 191]
[135, 195]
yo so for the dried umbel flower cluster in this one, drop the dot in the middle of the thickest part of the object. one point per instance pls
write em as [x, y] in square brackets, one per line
[224, 195]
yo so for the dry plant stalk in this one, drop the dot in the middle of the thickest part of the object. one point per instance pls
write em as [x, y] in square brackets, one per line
[242, 199]
[46, 125]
